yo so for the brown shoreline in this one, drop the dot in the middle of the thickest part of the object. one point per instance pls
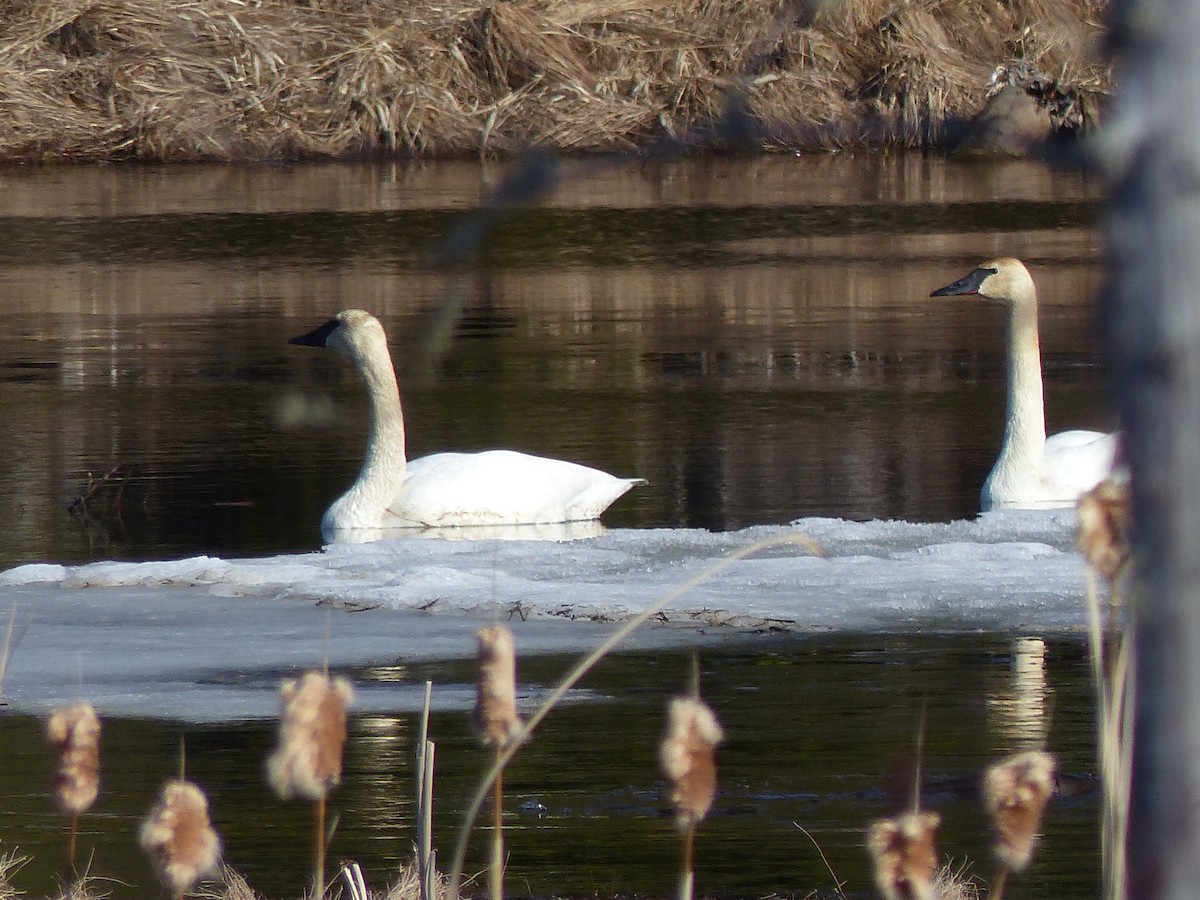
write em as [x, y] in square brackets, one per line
[192, 80]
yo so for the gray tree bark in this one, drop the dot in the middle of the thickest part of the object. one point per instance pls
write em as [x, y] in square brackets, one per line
[1151, 147]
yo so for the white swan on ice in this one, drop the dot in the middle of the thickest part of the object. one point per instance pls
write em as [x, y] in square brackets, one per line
[489, 488]
[1032, 470]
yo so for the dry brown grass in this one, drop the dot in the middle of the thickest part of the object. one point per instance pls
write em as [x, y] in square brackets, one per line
[232, 79]
[11, 862]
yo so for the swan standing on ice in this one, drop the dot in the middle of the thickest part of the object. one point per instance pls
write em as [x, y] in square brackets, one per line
[1032, 470]
[494, 487]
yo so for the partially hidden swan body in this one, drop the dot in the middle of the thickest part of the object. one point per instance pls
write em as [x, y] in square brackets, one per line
[462, 490]
[1032, 470]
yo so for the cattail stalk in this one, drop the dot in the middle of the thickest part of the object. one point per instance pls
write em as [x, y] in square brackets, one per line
[686, 755]
[74, 731]
[1104, 522]
[307, 762]
[495, 720]
[426, 865]
[1015, 793]
[581, 668]
[904, 855]
[1103, 537]
[179, 837]
[903, 849]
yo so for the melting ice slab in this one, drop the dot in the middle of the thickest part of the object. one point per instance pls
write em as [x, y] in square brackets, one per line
[207, 638]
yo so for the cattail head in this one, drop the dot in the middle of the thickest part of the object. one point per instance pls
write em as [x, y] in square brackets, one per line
[495, 716]
[1015, 792]
[1104, 527]
[686, 756]
[904, 855]
[179, 838]
[312, 733]
[74, 731]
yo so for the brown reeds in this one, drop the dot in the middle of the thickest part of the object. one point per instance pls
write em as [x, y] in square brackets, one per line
[307, 762]
[179, 837]
[1104, 521]
[904, 855]
[585, 665]
[687, 757]
[11, 862]
[1015, 793]
[234, 886]
[495, 715]
[201, 79]
[496, 722]
[74, 732]
[688, 760]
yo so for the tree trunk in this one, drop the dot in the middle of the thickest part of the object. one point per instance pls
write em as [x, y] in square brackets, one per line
[1151, 148]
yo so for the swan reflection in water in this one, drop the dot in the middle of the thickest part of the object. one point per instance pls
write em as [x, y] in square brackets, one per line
[1021, 710]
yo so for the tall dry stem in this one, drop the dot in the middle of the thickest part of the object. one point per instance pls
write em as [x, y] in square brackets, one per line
[426, 752]
[903, 849]
[74, 731]
[687, 757]
[308, 759]
[1104, 517]
[496, 722]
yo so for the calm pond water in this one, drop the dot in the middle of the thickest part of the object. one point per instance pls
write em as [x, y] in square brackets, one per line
[754, 337]
[821, 734]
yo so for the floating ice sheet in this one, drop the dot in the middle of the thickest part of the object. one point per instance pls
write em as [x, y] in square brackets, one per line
[206, 638]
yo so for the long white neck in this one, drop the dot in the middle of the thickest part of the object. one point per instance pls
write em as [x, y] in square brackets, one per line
[1025, 431]
[384, 465]
[385, 434]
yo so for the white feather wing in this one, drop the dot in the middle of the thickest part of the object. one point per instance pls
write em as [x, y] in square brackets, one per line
[502, 487]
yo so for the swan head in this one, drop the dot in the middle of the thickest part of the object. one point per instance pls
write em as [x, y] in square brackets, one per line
[353, 332]
[1005, 280]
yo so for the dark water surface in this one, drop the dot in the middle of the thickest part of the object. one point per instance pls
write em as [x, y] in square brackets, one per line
[754, 337]
[821, 734]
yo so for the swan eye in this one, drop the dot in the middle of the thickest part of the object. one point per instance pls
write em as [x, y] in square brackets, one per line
[990, 271]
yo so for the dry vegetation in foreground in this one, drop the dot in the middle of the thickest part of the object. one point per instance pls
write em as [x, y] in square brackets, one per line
[269, 79]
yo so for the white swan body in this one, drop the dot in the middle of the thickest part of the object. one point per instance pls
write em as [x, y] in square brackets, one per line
[491, 488]
[1032, 470]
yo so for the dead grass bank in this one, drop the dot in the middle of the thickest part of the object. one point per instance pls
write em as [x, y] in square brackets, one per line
[267, 79]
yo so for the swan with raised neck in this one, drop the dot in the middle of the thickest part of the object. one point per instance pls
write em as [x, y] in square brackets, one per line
[1032, 470]
[488, 488]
